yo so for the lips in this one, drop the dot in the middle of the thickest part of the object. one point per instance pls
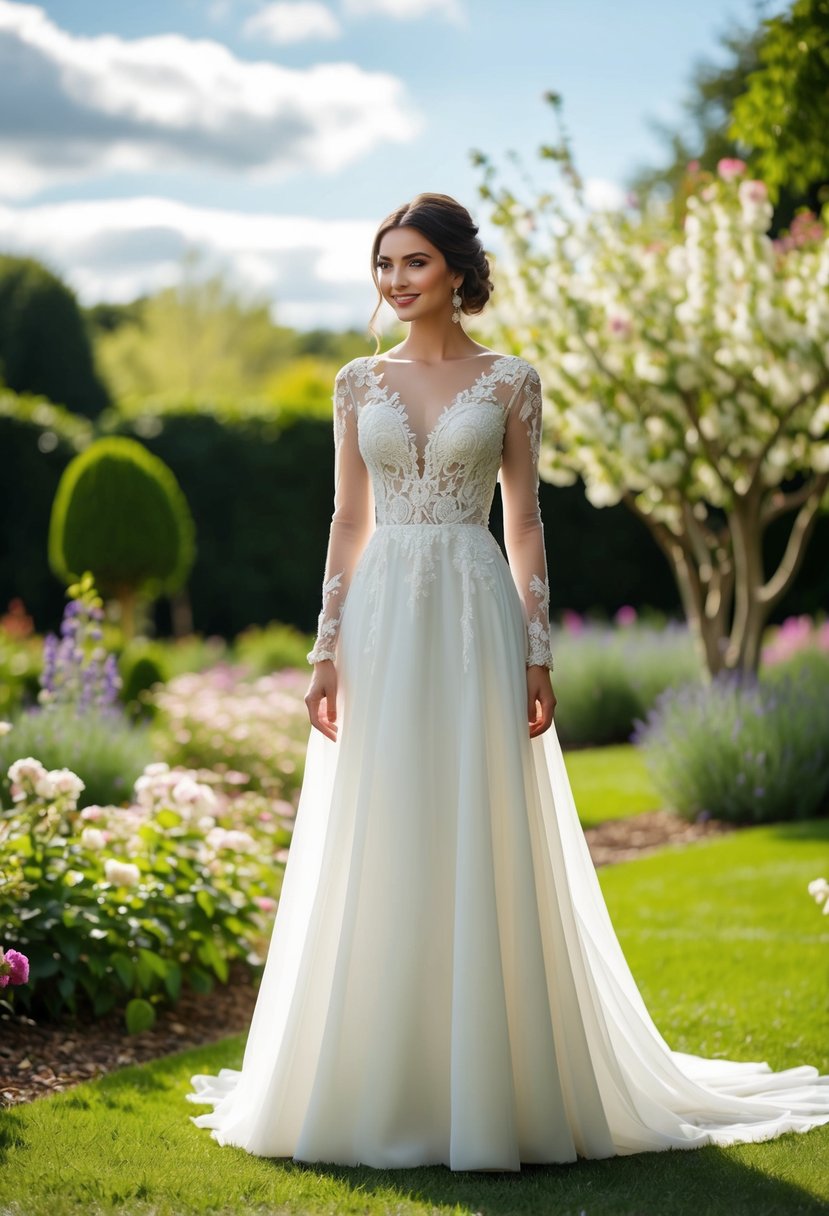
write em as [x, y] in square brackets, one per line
[404, 301]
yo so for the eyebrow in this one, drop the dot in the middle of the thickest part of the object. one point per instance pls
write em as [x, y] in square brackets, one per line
[384, 257]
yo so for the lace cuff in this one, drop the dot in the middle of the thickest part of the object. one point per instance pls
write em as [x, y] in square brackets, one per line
[539, 649]
[328, 623]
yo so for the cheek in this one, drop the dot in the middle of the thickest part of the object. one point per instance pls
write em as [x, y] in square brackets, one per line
[429, 278]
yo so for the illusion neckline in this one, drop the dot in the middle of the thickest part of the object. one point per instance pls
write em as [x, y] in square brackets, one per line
[393, 399]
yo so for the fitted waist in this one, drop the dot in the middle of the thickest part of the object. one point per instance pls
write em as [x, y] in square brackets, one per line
[453, 525]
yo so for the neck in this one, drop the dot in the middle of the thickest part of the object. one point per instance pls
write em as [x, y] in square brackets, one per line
[435, 339]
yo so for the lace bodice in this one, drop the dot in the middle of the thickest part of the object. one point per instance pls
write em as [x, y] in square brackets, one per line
[428, 455]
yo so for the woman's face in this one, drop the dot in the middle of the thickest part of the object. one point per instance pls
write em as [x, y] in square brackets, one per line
[413, 275]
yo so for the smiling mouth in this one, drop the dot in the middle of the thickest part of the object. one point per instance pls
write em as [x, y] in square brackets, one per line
[404, 300]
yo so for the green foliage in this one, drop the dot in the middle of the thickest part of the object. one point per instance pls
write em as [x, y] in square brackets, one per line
[605, 678]
[136, 901]
[105, 749]
[201, 337]
[142, 664]
[120, 513]
[783, 115]
[20, 667]
[44, 345]
[37, 440]
[749, 751]
[271, 648]
[259, 491]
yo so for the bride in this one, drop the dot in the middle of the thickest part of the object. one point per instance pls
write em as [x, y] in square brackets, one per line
[443, 983]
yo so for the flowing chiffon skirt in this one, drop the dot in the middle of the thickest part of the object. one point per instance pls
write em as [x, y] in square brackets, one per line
[443, 983]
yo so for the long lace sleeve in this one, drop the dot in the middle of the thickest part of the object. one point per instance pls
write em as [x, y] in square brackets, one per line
[351, 522]
[523, 526]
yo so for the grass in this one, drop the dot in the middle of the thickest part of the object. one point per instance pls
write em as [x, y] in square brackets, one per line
[732, 957]
[610, 783]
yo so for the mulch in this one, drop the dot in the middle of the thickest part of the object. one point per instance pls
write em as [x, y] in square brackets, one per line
[39, 1058]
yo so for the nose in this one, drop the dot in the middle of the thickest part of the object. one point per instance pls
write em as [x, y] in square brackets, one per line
[398, 279]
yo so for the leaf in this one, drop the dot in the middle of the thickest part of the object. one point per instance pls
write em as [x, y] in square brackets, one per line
[172, 981]
[205, 902]
[124, 968]
[199, 980]
[154, 961]
[139, 1015]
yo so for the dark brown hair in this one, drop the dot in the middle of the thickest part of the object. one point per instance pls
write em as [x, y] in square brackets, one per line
[451, 229]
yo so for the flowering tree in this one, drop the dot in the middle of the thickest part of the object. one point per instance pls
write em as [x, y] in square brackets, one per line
[686, 374]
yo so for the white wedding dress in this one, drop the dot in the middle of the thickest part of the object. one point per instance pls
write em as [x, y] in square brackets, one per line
[443, 982]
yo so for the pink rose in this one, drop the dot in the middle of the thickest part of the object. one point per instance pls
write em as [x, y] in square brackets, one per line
[730, 167]
[14, 968]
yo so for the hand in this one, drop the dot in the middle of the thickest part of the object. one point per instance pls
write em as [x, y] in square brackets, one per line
[323, 689]
[541, 700]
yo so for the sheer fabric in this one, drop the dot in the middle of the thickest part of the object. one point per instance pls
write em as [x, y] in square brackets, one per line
[437, 465]
[443, 983]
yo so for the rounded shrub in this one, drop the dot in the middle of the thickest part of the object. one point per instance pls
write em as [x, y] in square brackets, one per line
[120, 513]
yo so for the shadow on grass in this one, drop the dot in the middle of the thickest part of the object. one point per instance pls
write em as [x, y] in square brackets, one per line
[649, 1184]
[803, 829]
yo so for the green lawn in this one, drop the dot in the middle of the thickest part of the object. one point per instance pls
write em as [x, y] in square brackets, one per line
[732, 957]
[610, 783]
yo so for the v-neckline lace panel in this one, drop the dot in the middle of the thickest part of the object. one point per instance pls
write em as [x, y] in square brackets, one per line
[392, 398]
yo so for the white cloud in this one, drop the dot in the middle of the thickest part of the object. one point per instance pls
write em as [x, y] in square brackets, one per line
[316, 271]
[72, 107]
[406, 10]
[283, 23]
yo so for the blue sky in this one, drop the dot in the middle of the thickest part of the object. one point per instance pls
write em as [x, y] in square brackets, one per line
[273, 137]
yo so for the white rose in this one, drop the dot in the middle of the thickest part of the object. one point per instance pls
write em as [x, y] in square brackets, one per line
[45, 787]
[819, 888]
[93, 838]
[240, 842]
[153, 770]
[121, 873]
[67, 782]
[27, 769]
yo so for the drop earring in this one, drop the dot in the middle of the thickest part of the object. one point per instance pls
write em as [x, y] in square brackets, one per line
[456, 304]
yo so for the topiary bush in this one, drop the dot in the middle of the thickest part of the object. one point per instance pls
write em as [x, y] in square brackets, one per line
[120, 513]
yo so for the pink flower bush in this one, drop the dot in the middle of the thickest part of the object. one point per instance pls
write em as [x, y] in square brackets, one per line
[626, 616]
[730, 167]
[796, 633]
[14, 967]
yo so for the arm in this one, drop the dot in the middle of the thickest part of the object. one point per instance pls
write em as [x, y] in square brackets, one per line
[351, 523]
[523, 527]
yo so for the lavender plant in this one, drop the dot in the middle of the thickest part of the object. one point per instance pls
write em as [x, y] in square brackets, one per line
[749, 750]
[78, 720]
[77, 670]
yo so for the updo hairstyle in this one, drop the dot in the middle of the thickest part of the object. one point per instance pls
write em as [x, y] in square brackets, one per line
[451, 229]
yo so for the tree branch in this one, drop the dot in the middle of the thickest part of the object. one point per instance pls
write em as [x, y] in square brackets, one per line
[783, 577]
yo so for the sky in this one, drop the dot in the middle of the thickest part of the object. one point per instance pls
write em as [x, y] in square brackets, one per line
[272, 138]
